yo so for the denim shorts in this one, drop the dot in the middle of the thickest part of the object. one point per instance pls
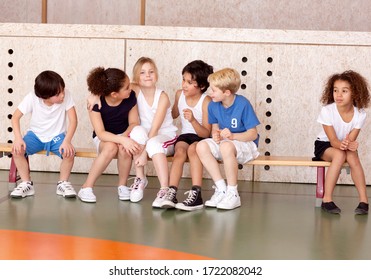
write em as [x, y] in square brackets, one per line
[34, 144]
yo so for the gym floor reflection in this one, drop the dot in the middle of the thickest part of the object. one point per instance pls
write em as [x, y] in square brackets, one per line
[277, 221]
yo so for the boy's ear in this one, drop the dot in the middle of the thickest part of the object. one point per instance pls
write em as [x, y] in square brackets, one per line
[227, 92]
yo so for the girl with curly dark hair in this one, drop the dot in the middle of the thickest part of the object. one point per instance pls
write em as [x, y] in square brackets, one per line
[345, 97]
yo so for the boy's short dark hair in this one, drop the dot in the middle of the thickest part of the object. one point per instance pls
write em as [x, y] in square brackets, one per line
[199, 71]
[48, 84]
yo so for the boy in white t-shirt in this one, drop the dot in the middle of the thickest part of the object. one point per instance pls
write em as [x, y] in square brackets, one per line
[49, 105]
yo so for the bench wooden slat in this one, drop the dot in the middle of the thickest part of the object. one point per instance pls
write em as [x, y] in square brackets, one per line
[287, 161]
[6, 149]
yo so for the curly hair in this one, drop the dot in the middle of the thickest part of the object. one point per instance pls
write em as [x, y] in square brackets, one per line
[102, 81]
[358, 86]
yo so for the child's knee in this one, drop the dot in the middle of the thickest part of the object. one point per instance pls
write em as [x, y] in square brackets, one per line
[109, 149]
[227, 147]
[139, 134]
[154, 147]
[200, 147]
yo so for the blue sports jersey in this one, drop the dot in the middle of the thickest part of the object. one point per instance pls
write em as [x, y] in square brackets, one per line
[239, 117]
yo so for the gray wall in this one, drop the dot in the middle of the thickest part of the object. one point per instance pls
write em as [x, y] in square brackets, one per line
[335, 15]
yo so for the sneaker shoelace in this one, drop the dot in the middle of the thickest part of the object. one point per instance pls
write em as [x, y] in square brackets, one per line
[136, 183]
[66, 185]
[23, 186]
[161, 193]
[170, 194]
[191, 197]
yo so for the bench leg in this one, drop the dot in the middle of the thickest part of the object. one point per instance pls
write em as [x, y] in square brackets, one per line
[320, 187]
[12, 182]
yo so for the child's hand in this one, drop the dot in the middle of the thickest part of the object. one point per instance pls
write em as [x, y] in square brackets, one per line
[188, 115]
[353, 146]
[344, 144]
[19, 146]
[142, 159]
[92, 100]
[67, 150]
[216, 136]
[130, 146]
[226, 134]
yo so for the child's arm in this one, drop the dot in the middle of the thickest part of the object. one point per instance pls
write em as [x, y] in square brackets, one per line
[66, 149]
[350, 140]
[163, 104]
[215, 132]
[334, 141]
[133, 120]
[18, 145]
[175, 109]
[202, 129]
[97, 123]
[249, 135]
[92, 100]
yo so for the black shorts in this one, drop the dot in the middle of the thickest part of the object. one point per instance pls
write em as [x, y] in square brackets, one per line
[319, 148]
[189, 138]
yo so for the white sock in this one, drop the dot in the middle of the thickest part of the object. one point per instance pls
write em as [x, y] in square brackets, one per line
[232, 188]
[221, 185]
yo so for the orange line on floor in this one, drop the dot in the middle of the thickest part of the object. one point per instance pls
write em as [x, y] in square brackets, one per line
[23, 245]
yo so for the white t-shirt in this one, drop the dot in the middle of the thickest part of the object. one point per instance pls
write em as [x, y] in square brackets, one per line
[330, 116]
[46, 121]
[196, 110]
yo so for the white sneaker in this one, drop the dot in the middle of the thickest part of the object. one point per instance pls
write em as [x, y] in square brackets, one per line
[65, 189]
[161, 195]
[216, 198]
[23, 189]
[230, 201]
[123, 192]
[137, 189]
[87, 195]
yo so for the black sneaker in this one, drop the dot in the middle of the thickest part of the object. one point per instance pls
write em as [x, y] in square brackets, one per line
[193, 202]
[330, 207]
[362, 209]
[170, 198]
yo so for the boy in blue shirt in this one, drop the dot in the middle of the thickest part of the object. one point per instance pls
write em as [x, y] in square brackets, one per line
[234, 137]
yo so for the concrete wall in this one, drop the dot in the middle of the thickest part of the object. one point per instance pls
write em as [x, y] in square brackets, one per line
[283, 72]
[334, 15]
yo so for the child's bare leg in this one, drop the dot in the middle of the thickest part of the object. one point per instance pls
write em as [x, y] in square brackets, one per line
[196, 166]
[337, 158]
[228, 151]
[176, 170]
[358, 175]
[66, 167]
[162, 170]
[123, 166]
[209, 161]
[22, 166]
[108, 151]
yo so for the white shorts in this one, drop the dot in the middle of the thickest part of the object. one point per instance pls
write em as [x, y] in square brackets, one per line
[246, 151]
[159, 144]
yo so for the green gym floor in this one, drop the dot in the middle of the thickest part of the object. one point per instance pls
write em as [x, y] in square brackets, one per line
[277, 221]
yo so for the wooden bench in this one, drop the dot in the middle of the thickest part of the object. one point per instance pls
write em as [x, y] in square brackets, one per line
[5, 149]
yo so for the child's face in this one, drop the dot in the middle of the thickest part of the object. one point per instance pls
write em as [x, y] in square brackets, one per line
[56, 99]
[342, 93]
[189, 86]
[216, 94]
[147, 76]
[125, 91]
